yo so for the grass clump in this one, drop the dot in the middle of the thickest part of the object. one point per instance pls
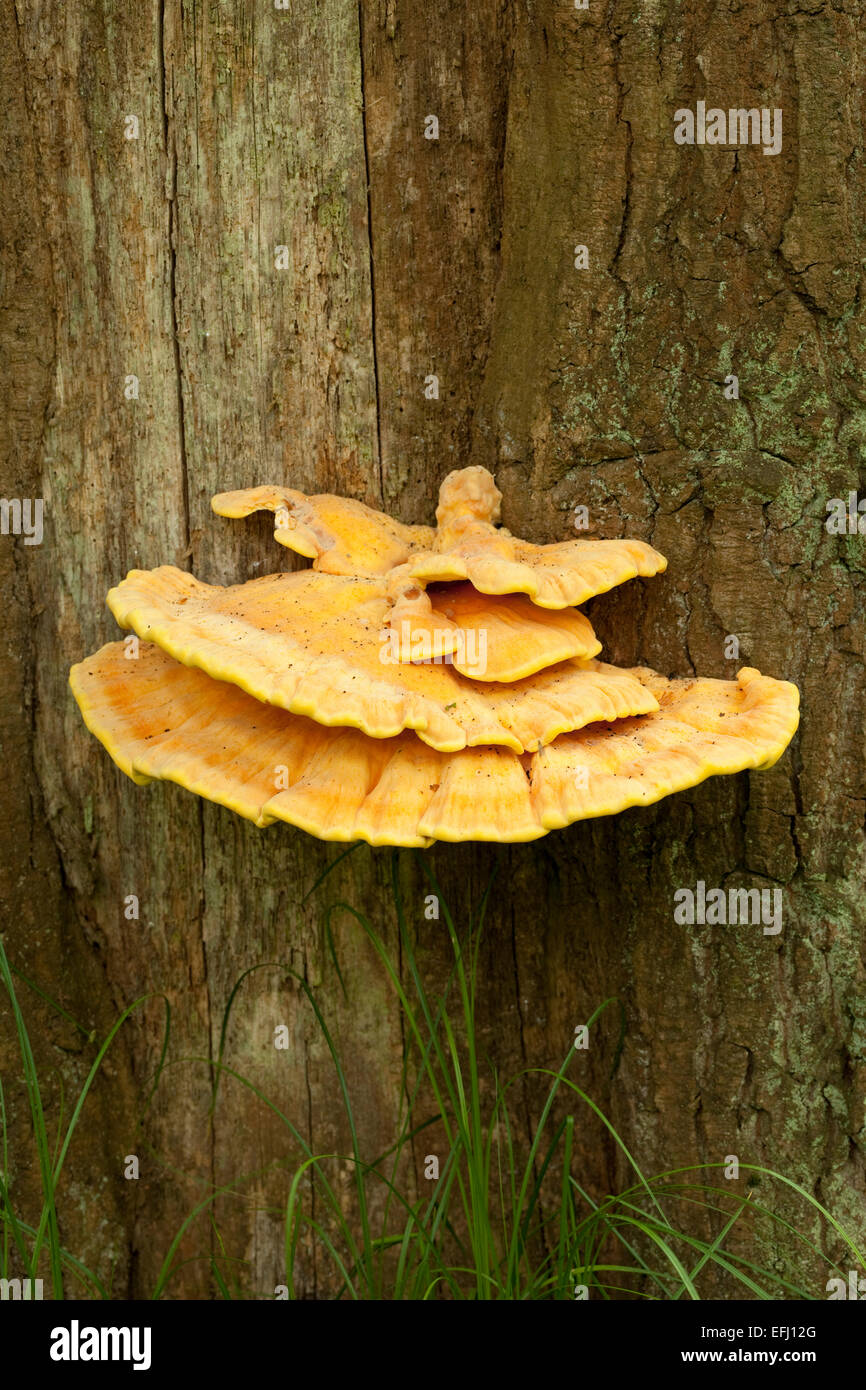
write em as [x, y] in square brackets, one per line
[500, 1215]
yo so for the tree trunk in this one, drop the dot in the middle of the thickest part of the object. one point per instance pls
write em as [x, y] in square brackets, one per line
[156, 258]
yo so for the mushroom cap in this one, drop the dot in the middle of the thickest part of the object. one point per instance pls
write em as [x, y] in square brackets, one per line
[160, 719]
[340, 535]
[504, 638]
[346, 537]
[315, 644]
[553, 576]
[469, 545]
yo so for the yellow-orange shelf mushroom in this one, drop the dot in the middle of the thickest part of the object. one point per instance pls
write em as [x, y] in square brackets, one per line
[488, 638]
[342, 536]
[160, 719]
[313, 645]
[354, 700]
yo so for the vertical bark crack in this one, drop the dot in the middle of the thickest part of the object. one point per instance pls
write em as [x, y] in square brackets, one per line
[314, 1292]
[200, 919]
[170, 146]
[171, 193]
[378, 444]
[616, 39]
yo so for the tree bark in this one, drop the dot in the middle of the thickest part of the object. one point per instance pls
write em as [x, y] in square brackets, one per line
[156, 257]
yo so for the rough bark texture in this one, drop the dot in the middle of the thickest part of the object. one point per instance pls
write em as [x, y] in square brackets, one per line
[304, 128]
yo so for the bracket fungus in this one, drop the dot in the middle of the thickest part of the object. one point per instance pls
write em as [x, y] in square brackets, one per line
[346, 537]
[313, 644]
[416, 684]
